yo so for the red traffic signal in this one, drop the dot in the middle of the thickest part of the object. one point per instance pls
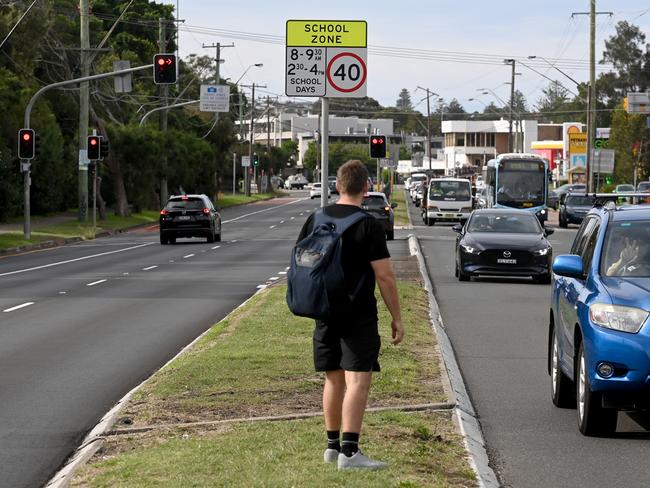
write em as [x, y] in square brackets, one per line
[26, 145]
[94, 144]
[164, 69]
[378, 147]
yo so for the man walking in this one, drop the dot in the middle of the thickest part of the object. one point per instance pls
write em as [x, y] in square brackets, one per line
[347, 348]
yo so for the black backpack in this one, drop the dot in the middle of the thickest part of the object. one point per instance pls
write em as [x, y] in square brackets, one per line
[316, 285]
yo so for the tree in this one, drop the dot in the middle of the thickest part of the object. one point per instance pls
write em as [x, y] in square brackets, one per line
[350, 107]
[630, 139]
[520, 105]
[404, 101]
[630, 55]
[454, 110]
[554, 99]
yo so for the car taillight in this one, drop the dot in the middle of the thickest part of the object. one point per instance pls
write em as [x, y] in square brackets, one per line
[206, 211]
[164, 212]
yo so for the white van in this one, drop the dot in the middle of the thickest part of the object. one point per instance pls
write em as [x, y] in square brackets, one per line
[447, 199]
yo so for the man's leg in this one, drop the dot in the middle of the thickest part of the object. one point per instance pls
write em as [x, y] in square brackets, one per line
[355, 400]
[332, 406]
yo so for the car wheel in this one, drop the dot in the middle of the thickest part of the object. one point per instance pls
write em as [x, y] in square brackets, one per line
[562, 388]
[563, 222]
[390, 235]
[431, 222]
[462, 276]
[210, 236]
[217, 237]
[456, 270]
[163, 240]
[311, 197]
[171, 239]
[593, 419]
[544, 279]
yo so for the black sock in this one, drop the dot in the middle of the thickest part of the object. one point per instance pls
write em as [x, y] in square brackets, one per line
[333, 440]
[350, 443]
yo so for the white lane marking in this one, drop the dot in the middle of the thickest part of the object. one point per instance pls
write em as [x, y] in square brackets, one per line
[62, 292]
[232, 242]
[301, 214]
[216, 247]
[282, 221]
[95, 282]
[18, 307]
[271, 226]
[263, 210]
[171, 260]
[287, 268]
[150, 267]
[188, 256]
[282, 272]
[261, 287]
[74, 260]
[274, 278]
[292, 218]
[125, 274]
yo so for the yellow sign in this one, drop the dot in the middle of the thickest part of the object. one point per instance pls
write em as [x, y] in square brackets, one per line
[578, 143]
[327, 33]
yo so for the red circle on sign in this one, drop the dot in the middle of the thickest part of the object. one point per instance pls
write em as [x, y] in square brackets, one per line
[358, 85]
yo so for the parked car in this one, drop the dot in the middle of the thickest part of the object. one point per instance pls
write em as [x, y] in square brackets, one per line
[316, 190]
[599, 337]
[573, 208]
[189, 216]
[375, 203]
[624, 188]
[294, 182]
[503, 242]
[552, 200]
[643, 187]
[331, 180]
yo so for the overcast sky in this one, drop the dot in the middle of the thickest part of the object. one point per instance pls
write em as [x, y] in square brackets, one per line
[460, 30]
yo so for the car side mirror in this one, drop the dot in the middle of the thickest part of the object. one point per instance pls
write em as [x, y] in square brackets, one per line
[549, 230]
[569, 265]
[457, 228]
[393, 205]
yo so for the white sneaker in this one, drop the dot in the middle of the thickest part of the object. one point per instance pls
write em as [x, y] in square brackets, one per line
[359, 461]
[330, 455]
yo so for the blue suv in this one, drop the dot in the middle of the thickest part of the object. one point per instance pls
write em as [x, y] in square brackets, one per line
[599, 338]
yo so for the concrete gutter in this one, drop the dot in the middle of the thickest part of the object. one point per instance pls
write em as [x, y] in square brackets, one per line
[466, 416]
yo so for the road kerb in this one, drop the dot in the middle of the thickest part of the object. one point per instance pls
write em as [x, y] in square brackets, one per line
[465, 414]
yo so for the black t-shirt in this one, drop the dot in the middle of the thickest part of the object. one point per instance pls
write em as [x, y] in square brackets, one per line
[362, 243]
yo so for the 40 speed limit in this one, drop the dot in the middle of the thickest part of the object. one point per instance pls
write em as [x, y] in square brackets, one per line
[305, 73]
[346, 72]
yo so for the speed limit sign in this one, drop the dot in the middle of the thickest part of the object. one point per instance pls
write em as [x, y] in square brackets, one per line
[346, 72]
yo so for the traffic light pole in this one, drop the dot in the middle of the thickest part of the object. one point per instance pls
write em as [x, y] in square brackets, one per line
[25, 164]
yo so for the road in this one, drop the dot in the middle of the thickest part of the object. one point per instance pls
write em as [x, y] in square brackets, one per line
[499, 330]
[81, 325]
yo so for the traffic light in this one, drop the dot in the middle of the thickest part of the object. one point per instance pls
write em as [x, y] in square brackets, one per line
[256, 160]
[164, 69]
[104, 148]
[94, 147]
[377, 146]
[26, 144]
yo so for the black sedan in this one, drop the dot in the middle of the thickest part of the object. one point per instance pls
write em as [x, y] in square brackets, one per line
[375, 203]
[504, 243]
[189, 216]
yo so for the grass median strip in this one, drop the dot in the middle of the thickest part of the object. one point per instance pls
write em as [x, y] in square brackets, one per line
[257, 362]
[401, 212]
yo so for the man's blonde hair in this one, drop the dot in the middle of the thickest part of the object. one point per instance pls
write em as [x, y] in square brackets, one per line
[352, 177]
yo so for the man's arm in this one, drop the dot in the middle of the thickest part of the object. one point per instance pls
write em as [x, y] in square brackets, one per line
[388, 288]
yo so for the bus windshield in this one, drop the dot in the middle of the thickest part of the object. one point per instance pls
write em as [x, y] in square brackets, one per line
[521, 184]
[449, 190]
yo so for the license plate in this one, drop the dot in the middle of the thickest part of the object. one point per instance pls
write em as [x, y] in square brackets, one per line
[183, 217]
[449, 216]
[507, 261]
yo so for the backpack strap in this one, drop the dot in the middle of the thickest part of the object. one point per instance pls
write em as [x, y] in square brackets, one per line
[340, 225]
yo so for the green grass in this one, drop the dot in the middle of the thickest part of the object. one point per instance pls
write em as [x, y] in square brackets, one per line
[73, 228]
[229, 200]
[258, 362]
[401, 212]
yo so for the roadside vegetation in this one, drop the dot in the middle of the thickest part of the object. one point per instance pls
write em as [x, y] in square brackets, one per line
[257, 363]
[401, 212]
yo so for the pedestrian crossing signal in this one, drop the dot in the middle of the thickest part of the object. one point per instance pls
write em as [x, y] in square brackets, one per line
[26, 144]
[164, 69]
[377, 146]
[94, 147]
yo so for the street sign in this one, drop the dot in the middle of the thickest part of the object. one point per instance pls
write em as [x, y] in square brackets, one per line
[245, 161]
[122, 84]
[326, 58]
[603, 160]
[601, 143]
[215, 98]
[638, 103]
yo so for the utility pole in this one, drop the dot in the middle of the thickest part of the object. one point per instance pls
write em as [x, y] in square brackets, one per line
[247, 185]
[512, 63]
[428, 146]
[218, 62]
[164, 94]
[591, 102]
[84, 100]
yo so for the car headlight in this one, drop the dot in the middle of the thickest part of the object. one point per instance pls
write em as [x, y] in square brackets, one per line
[465, 209]
[469, 249]
[618, 317]
[542, 252]
[542, 212]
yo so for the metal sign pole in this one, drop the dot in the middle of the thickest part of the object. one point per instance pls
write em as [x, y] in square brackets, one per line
[325, 137]
[234, 172]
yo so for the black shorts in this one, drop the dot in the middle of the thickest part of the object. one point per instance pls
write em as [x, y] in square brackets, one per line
[351, 348]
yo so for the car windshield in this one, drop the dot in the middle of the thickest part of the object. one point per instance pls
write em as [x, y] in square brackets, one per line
[625, 250]
[185, 204]
[644, 186]
[374, 201]
[449, 190]
[625, 188]
[504, 223]
[579, 201]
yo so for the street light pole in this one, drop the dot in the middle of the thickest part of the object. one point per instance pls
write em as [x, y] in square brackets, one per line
[512, 63]
[428, 148]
